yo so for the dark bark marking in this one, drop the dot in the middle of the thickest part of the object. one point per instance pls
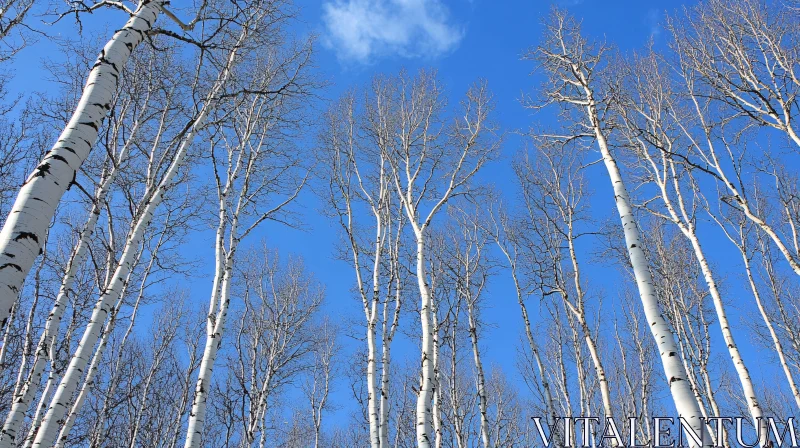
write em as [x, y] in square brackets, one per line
[92, 125]
[42, 170]
[24, 235]
[12, 266]
[59, 158]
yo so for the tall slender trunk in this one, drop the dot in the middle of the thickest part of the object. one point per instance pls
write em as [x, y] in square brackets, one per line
[196, 424]
[425, 395]
[681, 391]
[23, 398]
[27, 345]
[372, 387]
[100, 420]
[58, 406]
[436, 410]
[580, 313]
[371, 313]
[534, 347]
[480, 380]
[733, 350]
[38, 413]
[386, 362]
[24, 231]
[687, 228]
[768, 322]
[389, 330]
[94, 365]
[88, 382]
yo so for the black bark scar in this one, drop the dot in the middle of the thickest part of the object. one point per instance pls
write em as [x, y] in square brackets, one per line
[42, 170]
[11, 265]
[24, 235]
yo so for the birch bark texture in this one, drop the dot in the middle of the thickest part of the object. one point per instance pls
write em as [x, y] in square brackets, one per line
[23, 398]
[59, 403]
[257, 175]
[572, 64]
[23, 233]
[431, 162]
[656, 141]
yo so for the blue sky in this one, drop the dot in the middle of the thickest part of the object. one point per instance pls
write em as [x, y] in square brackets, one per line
[463, 40]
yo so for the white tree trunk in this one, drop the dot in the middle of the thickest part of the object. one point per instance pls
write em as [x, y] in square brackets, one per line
[24, 231]
[768, 322]
[686, 225]
[480, 380]
[386, 362]
[372, 386]
[58, 406]
[88, 382]
[389, 330]
[371, 312]
[681, 390]
[22, 399]
[437, 391]
[36, 421]
[425, 395]
[733, 350]
[195, 426]
[580, 314]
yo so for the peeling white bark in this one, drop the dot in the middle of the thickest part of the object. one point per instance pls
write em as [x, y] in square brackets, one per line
[23, 398]
[58, 406]
[24, 231]
[675, 373]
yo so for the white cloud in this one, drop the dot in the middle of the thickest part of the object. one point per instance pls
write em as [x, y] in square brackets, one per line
[653, 20]
[362, 29]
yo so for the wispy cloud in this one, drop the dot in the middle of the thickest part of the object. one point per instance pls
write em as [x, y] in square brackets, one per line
[361, 30]
[653, 21]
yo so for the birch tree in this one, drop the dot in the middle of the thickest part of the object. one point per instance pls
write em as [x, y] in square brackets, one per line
[138, 285]
[656, 140]
[574, 68]
[320, 379]
[470, 271]
[754, 246]
[431, 162]
[744, 56]
[752, 85]
[158, 190]
[257, 171]
[553, 191]
[135, 114]
[684, 292]
[275, 343]
[508, 234]
[359, 179]
[23, 232]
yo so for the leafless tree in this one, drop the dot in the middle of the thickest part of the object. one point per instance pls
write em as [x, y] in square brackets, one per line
[579, 84]
[274, 343]
[359, 185]
[431, 160]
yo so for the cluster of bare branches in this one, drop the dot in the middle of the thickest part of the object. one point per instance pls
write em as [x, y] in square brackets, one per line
[188, 133]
